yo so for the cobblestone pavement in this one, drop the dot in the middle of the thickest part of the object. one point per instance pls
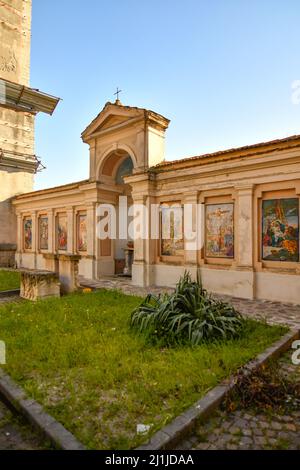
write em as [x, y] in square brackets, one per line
[250, 429]
[124, 284]
[272, 312]
[16, 435]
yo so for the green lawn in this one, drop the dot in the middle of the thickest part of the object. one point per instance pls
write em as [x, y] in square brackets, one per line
[9, 280]
[77, 356]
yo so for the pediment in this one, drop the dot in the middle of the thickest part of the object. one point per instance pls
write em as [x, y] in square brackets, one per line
[112, 121]
[111, 117]
[114, 116]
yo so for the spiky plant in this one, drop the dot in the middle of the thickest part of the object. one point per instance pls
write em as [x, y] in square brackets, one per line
[189, 315]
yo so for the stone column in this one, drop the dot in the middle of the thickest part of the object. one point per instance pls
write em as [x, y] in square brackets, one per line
[19, 240]
[91, 228]
[244, 240]
[93, 160]
[150, 244]
[68, 273]
[91, 238]
[51, 258]
[71, 230]
[139, 261]
[34, 232]
[19, 232]
[51, 231]
[191, 231]
[143, 193]
[35, 237]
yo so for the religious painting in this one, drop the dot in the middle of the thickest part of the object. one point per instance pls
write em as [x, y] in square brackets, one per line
[82, 232]
[280, 230]
[43, 231]
[172, 243]
[62, 232]
[219, 230]
[28, 234]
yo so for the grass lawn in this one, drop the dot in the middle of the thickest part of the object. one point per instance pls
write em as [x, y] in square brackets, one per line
[9, 280]
[77, 356]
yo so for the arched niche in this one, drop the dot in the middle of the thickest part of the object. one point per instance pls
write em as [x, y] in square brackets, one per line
[116, 163]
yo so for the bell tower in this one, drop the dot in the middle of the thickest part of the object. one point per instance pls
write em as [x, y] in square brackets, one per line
[16, 127]
[15, 31]
[18, 107]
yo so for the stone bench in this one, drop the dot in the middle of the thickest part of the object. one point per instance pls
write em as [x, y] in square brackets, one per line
[37, 284]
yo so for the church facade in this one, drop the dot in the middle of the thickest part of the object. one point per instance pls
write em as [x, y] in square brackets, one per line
[243, 211]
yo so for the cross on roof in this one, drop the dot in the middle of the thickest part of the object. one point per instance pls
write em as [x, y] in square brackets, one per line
[118, 92]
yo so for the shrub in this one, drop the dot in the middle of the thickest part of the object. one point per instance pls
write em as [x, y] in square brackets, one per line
[189, 315]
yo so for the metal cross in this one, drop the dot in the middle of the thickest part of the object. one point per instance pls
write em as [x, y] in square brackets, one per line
[118, 92]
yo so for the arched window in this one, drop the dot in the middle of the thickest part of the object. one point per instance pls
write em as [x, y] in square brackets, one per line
[124, 169]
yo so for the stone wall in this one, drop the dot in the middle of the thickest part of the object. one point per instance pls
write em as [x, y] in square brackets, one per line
[15, 30]
[7, 255]
[16, 132]
[12, 182]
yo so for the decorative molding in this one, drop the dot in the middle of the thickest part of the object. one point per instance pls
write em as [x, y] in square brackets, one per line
[8, 64]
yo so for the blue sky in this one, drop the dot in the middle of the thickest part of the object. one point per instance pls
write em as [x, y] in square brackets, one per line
[221, 70]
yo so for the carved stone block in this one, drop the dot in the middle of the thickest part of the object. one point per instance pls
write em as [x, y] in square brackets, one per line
[37, 284]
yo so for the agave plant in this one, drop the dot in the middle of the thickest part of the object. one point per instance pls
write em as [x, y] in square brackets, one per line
[190, 314]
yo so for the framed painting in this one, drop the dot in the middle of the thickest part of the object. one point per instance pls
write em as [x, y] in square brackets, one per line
[62, 232]
[82, 232]
[172, 243]
[280, 229]
[43, 231]
[28, 234]
[219, 222]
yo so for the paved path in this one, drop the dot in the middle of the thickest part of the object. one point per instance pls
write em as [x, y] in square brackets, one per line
[272, 312]
[249, 429]
[15, 434]
[122, 283]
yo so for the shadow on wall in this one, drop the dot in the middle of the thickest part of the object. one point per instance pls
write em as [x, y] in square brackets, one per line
[8, 234]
